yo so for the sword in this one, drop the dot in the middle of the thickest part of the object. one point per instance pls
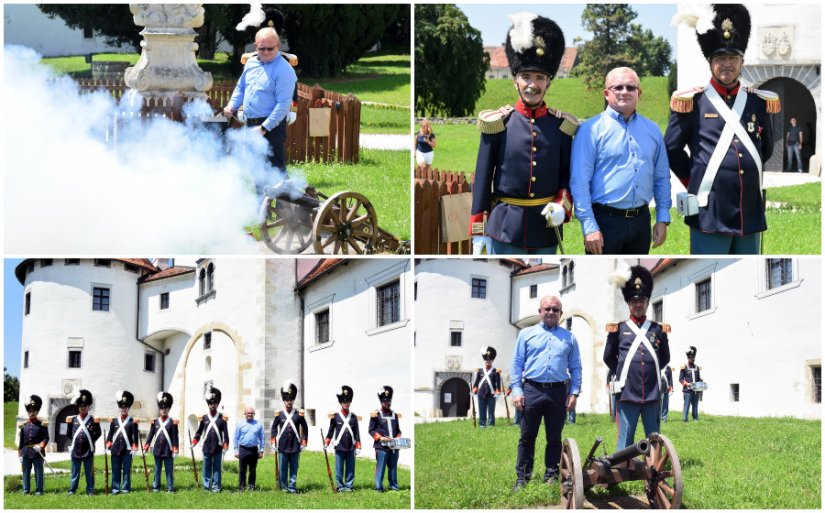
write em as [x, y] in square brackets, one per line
[558, 238]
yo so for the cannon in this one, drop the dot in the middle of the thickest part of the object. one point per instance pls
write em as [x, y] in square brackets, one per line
[653, 460]
[293, 216]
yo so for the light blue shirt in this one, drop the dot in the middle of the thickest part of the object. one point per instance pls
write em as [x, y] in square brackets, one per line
[621, 164]
[265, 90]
[249, 434]
[546, 355]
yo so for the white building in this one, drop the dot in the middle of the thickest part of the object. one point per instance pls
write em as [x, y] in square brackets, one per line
[242, 325]
[738, 321]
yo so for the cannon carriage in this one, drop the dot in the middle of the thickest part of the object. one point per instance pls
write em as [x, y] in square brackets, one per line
[652, 460]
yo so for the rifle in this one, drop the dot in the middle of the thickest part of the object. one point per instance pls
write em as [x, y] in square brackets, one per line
[192, 452]
[105, 466]
[506, 406]
[326, 457]
[473, 402]
[145, 472]
[277, 471]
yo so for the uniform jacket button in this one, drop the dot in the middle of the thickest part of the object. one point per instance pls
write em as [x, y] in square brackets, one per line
[532, 194]
[532, 178]
[534, 148]
[740, 155]
[534, 162]
[534, 134]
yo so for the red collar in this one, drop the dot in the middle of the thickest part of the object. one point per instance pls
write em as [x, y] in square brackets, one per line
[164, 418]
[524, 110]
[34, 421]
[344, 413]
[722, 90]
[638, 320]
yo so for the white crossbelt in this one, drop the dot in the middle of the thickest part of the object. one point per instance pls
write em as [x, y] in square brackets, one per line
[346, 427]
[664, 378]
[733, 125]
[487, 379]
[639, 340]
[121, 431]
[166, 433]
[85, 432]
[288, 422]
[213, 426]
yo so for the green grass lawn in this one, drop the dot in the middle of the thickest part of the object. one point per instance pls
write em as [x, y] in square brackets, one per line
[727, 463]
[10, 424]
[313, 486]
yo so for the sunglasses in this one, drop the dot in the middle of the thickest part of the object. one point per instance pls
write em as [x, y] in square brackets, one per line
[266, 48]
[552, 309]
[630, 88]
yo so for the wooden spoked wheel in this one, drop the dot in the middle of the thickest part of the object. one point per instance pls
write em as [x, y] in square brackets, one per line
[345, 224]
[286, 228]
[570, 476]
[664, 488]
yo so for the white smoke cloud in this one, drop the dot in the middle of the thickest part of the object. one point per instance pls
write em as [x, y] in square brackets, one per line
[253, 18]
[162, 187]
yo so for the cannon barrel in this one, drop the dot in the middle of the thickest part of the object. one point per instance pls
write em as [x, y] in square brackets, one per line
[628, 453]
[288, 191]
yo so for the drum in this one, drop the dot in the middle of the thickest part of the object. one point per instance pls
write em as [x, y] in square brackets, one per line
[700, 386]
[398, 443]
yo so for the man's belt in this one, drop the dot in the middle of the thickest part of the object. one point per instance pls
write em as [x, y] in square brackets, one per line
[552, 384]
[521, 202]
[30, 446]
[619, 212]
[255, 121]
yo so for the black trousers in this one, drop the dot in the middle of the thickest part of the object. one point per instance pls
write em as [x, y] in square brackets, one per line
[277, 145]
[248, 459]
[541, 403]
[625, 235]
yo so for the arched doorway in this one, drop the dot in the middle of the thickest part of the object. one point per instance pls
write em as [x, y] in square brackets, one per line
[61, 427]
[797, 102]
[455, 398]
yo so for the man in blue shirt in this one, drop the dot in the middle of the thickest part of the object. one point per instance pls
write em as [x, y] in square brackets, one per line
[543, 356]
[619, 164]
[249, 448]
[265, 90]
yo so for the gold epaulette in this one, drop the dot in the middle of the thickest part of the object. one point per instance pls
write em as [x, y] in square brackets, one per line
[277, 412]
[69, 419]
[772, 103]
[492, 121]
[699, 368]
[665, 327]
[359, 418]
[682, 367]
[478, 369]
[245, 57]
[569, 122]
[331, 416]
[21, 426]
[300, 413]
[291, 58]
[611, 327]
[374, 414]
[682, 101]
[498, 370]
[175, 422]
[44, 422]
[397, 415]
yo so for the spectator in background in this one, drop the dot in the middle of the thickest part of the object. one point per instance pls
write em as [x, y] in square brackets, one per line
[793, 143]
[424, 145]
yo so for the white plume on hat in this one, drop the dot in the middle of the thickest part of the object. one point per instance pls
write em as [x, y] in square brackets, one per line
[75, 396]
[119, 395]
[699, 16]
[253, 18]
[287, 384]
[521, 35]
[160, 396]
[208, 395]
[620, 276]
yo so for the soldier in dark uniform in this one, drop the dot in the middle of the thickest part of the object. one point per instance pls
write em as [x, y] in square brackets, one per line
[727, 129]
[667, 388]
[122, 441]
[384, 426]
[164, 433]
[521, 187]
[345, 437]
[215, 434]
[289, 437]
[487, 387]
[635, 352]
[84, 431]
[31, 448]
[688, 375]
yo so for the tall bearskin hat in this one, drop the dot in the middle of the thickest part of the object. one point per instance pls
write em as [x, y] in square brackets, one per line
[534, 43]
[34, 403]
[721, 29]
[346, 394]
[82, 398]
[488, 353]
[124, 398]
[165, 400]
[691, 352]
[289, 391]
[275, 19]
[385, 393]
[636, 281]
[212, 396]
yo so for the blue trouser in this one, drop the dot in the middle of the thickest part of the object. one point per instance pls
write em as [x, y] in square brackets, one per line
[345, 469]
[691, 399]
[289, 470]
[665, 403]
[37, 465]
[168, 464]
[723, 244]
[624, 235]
[386, 460]
[212, 466]
[517, 417]
[794, 150]
[121, 473]
[87, 468]
[541, 403]
[628, 414]
[503, 248]
[487, 411]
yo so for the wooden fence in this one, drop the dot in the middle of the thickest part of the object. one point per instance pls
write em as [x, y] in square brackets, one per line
[340, 145]
[428, 189]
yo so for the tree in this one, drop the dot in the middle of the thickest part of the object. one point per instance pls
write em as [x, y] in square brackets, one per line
[450, 61]
[11, 387]
[114, 22]
[654, 51]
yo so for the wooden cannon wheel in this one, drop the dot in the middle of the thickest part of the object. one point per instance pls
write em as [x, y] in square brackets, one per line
[570, 473]
[664, 487]
[286, 228]
[346, 223]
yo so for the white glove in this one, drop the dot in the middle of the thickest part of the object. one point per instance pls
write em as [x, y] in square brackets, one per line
[36, 448]
[133, 453]
[291, 117]
[497, 396]
[301, 448]
[20, 458]
[481, 242]
[174, 455]
[554, 213]
[274, 447]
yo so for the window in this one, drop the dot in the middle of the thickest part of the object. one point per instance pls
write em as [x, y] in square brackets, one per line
[658, 310]
[103, 262]
[75, 359]
[415, 291]
[322, 327]
[703, 300]
[389, 303]
[28, 306]
[71, 261]
[132, 268]
[164, 300]
[26, 360]
[568, 280]
[202, 282]
[149, 362]
[455, 339]
[779, 271]
[46, 262]
[816, 383]
[534, 291]
[206, 283]
[479, 288]
[100, 299]
[207, 340]
[568, 324]
[734, 392]
[210, 277]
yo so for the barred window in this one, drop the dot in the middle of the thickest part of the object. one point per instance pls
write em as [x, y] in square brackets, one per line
[207, 340]
[100, 299]
[322, 327]
[534, 291]
[389, 303]
[780, 272]
[703, 296]
[149, 362]
[164, 300]
[734, 392]
[455, 339]
[75, 359]
[816, 383]
[658, 311]
[479, 288]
